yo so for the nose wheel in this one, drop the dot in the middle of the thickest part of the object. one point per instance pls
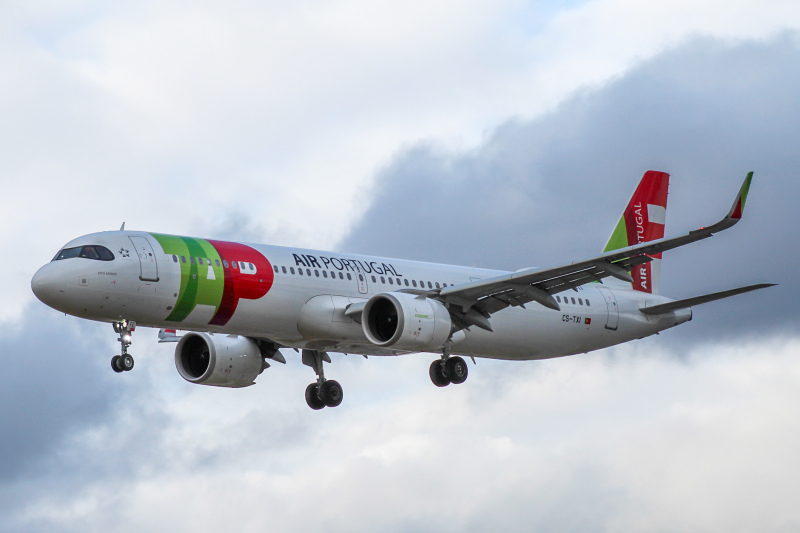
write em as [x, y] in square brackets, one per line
[123, 362]
[325, 392]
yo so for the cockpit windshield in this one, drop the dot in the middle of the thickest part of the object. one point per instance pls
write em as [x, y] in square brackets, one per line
[96, 252]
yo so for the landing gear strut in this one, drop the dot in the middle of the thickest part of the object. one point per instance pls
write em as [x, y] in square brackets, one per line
[124, 362]
[448, 369]
[323, 393]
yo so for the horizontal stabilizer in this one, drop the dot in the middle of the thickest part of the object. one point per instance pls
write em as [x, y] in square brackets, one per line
[697, 300]
[168, 335]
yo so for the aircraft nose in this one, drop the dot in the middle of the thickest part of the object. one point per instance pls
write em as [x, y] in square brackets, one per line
[45, 284]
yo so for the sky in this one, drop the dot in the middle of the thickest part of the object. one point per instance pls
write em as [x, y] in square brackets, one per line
[501, 134]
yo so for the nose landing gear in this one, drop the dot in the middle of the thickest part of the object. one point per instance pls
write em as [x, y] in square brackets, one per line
[124, 362]
[323, 393]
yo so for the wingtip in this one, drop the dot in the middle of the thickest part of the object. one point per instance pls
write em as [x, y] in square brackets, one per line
[738, 205]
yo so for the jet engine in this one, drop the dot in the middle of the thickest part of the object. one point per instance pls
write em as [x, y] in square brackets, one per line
[406, 322]
[219, 360]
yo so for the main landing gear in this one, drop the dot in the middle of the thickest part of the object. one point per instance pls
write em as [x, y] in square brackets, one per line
[124, 362]
[448, 369]
[323, 393]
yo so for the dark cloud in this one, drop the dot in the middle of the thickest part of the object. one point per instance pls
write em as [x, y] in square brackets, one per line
[84, 449]
[546, 191]
[50, 385]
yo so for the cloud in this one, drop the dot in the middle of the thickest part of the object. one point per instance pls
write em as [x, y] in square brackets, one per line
[50, 385]
[626, 439]
[547, 191]
[168, 116]
[160, 113]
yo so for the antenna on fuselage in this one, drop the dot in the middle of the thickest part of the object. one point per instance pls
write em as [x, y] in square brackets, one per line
[122, 227]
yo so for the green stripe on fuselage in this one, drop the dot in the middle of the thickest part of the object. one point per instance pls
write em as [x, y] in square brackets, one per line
[200, 284]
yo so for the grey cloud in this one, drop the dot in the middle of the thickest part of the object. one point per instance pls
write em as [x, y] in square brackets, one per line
[546, 191]
[557, 444]
[50, 385]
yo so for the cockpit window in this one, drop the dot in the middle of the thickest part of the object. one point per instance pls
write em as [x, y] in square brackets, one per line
[96, 252]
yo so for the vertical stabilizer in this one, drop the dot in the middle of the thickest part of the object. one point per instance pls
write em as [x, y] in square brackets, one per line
[643, 221]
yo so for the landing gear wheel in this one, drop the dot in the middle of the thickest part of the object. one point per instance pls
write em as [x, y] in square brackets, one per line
[312, 397]
[126, 362]
[115, 365]
[332, 393]
[438, 375]
[456, 370]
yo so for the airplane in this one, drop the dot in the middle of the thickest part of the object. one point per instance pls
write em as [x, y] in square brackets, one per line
[240, 303]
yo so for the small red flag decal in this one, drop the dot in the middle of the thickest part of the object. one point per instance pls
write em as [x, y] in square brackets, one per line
[588, 321]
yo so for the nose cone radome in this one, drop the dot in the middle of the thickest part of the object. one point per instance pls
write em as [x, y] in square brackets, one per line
[47, 285]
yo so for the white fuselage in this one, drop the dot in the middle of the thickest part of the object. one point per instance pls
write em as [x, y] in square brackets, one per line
[297, 297]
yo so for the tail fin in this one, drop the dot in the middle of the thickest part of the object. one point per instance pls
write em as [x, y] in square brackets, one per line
[643, 221]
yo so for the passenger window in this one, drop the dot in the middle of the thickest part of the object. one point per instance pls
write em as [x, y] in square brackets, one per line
[282, 268]
[316, 273]
[341, 276]
[374, 280]
[200, 260]
[251, 266]
[573, 301]
[242, 265]
[429, 285]
[225, 262]
[216, 262]
[437, 285]
[383, 280]
[191, 260]
[308, 271]
[391, 282]
[235, 264]
[414, 282]
[300, 271]
[174, 258]
[580, 302]
[275, 268]
[398, 281]
[183, 259]
[587, 302]
[349, 278]
[406, 282]
[324, 273]
[291, 269]
[558, 299]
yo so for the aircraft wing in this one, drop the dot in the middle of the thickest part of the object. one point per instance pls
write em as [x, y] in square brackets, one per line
[479, 299]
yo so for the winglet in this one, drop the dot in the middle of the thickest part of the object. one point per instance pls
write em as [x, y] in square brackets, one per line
[738, 205]
[735, 214]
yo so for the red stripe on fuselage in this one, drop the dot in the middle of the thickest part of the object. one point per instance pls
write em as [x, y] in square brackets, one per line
[238, 285]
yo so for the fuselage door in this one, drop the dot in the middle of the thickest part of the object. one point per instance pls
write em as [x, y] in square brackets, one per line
[147, 259]
[362, 282]
[613, 310]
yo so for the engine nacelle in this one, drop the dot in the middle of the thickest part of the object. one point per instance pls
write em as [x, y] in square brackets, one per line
[219, 360]
[406, 322]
